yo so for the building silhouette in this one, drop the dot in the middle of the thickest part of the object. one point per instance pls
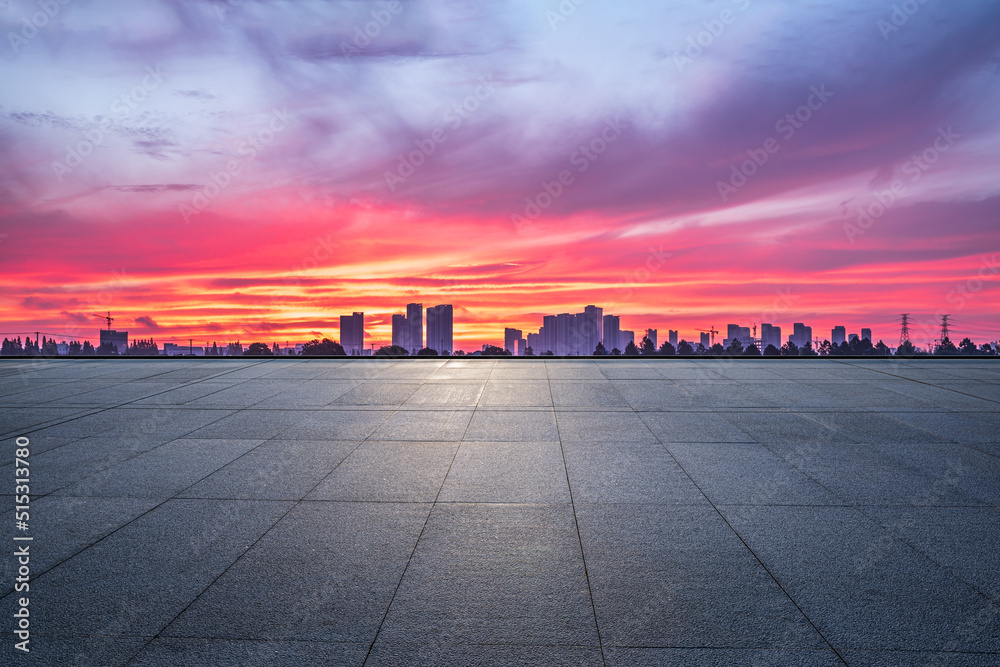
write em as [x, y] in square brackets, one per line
[838, 335]
[510, 342]
[866, 334]
[352, 333]
[801, 334]
[672, 337]
[117, 339]
[415, 322]
[769, 335]
[612, 330]
[440, 328]
[705, 341]
[651, 335]
[401, 331]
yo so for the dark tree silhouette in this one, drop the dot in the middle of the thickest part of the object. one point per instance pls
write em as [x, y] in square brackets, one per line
[906, 349]
[106, 349]
[717, 350]
[946, 348]
[807, 350]
[667, 350]
[881, 349]
[771, 351]
[258, 350]
[75, 348]
[143, 347]
[967, 346]
[88, 349]
[528, 352]
[752, 351]
[825, 348]
[49, 347]
[789, 349]
[699, 350]
[615, 352]
[631, 350]
[735, 347]
[684, 348]
[392, 351]
[646, 347]
[326, 347]
[427, 352]
[599, 351]
[495, 351]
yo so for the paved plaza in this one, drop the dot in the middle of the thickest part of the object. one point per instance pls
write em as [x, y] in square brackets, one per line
[491, 512]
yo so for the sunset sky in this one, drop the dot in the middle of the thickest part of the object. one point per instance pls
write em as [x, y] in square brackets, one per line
[252, 170]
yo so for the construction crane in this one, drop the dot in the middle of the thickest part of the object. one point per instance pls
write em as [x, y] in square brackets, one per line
[712, 331]
[106, 317]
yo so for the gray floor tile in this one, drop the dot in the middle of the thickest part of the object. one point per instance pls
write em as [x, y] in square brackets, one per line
[491, 574]
[331, 571]
[277, 470]
[171, 652]
[389, 472]
[512, 426]
[441, 425]
[678, 576]
[507, 472]
[407, 655]
[692, 427]
[594, 426]
[615, 472]
[862, 587]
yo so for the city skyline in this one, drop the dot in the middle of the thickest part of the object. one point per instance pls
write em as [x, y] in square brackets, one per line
[563, 334]
[651, 157]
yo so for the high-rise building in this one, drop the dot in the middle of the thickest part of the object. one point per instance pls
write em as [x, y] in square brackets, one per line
[611, 333]
[769, 335]
[548, 332]
[838, 335]
[866, 334]
[852, 337]
[801, 334]
[736, 332]
[401, 331]
[590, 329]
[705, 341]
[534, 341]
[415, 323]
[510, 338]
[117, 339]
[672, 337]
[352, 333]
[624, 338]
[567, 336]
[439, 328]
[651, 335]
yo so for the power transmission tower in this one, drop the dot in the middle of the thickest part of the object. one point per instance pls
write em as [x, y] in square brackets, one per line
[904, 329]
[944, 327]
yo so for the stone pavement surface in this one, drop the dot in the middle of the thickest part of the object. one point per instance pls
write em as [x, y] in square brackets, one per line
[561, 512]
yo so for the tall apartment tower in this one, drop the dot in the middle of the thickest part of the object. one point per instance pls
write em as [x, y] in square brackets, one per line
[401, 331]
[769, 335]
[672, 337]
[415, 323]
[651, 335]
[548, 333]
[611, 330]
[838, 335]
[801, 334]
[510, 338]
[866, 333]
[705, 341]
[440, 328]
[591, 329]
[352, 333]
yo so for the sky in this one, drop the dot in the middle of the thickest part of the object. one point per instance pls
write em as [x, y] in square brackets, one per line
[227, 170]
